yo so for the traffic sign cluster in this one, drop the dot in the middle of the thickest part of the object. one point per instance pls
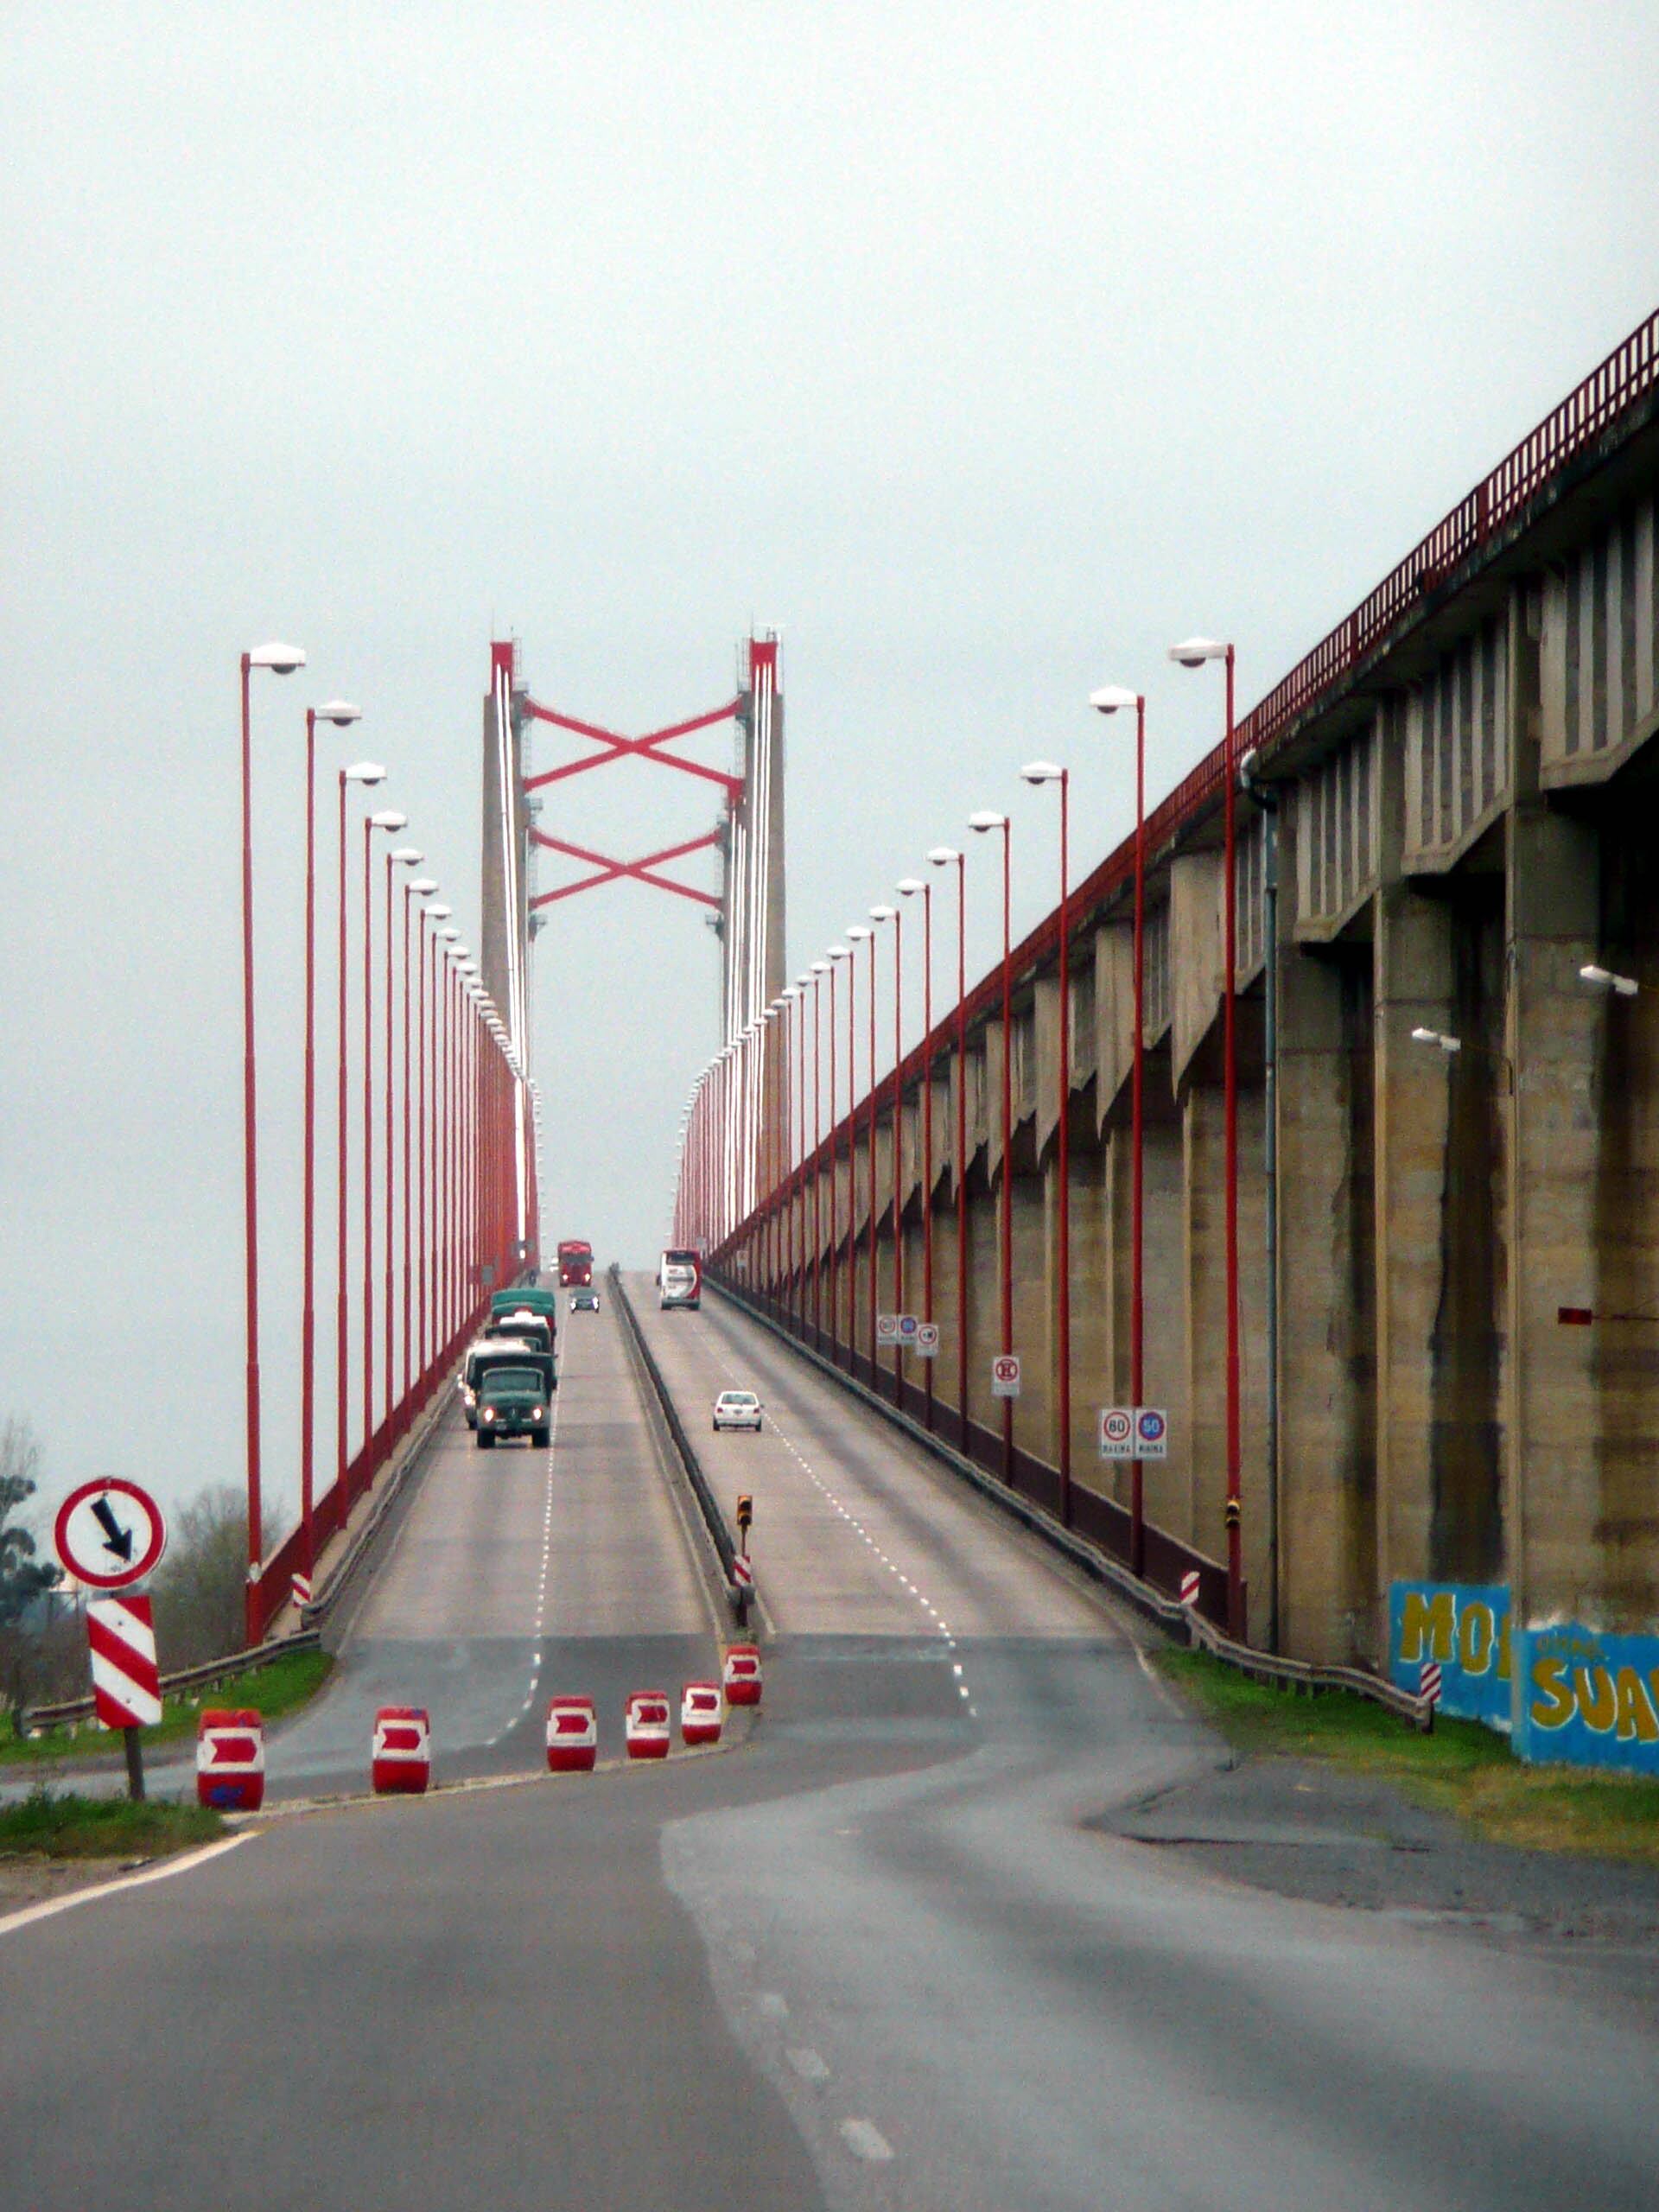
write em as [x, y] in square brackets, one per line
[1133, 1433]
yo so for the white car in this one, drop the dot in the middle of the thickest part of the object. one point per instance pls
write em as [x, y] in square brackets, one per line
[737, 1409]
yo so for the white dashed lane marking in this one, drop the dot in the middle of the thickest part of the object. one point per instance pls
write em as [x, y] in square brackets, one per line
[865, 2140]
[851, 1519]
[541, 1589]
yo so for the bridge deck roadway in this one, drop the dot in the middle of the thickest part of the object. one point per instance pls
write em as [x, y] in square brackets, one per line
[881, 1955]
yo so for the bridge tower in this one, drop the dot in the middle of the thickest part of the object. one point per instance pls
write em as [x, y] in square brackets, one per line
[505, 933]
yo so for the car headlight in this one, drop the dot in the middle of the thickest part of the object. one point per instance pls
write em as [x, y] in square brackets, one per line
[537, 1412]
[468, 1397]
[488, 1413]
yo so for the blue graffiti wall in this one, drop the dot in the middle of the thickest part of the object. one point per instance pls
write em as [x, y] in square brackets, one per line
[1465, 1625]
[1590, 1700]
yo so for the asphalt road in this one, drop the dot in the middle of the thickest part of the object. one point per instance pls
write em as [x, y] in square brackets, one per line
[881, 1955]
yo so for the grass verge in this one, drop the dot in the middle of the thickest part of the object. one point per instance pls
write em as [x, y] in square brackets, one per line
[68, 1826]
[276, 1690]
[1461, 1769]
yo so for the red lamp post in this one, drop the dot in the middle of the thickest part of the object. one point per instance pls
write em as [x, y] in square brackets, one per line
[1192, 652]
[341, 714]
[1043, 771]
[838, 953]
[405, 856]
[421, 887]
[1107, 700]
[819, 969]
[945, 856]
[367, 772]
[861, 933]
[909, 885]
[391, 821]
[895, 1135]
[983, 821]
[281, 660]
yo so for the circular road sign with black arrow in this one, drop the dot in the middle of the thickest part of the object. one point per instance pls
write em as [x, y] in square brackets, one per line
[109, 1533]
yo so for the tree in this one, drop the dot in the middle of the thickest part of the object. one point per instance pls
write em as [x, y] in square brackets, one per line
[198, 1587]
[24, 1579]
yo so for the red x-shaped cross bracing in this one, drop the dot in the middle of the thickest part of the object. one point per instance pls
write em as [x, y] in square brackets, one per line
[610, 871]
[645, 749]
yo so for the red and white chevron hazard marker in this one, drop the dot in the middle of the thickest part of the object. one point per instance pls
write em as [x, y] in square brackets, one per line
[1429, 1682]
[126, 1681]
[302, 1587]
[1190, 1587]
[743, 1573]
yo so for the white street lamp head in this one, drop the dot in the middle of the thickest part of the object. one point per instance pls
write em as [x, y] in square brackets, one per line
[448, 933]
[365, 772]
[439, 913]
[457, 952]
[1192, 652]
[985, 819]
[1041, 772]
[421, 885]
[389, 818]
[1111, 696]
[820, 967]
[282, 660]
[409, 857]
[340, 712]
[791, 991]
[1438, 1039]
[882, 914]
[840, 952]
[1605, 980]
[858, 932]
[941, 855]
[908, 885]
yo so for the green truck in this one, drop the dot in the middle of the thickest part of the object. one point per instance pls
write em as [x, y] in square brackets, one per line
[528, 1298]
[515, 1398]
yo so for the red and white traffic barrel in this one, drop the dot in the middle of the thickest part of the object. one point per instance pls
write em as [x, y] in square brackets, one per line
[741, 1673]
[700, 1713]
[572, 1736]
[231, 1759]
[403, 1750]
[646, 1727]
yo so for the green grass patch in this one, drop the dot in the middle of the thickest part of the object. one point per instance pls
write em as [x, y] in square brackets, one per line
[102, 1827]
[274, 1691]
[1461, 1769]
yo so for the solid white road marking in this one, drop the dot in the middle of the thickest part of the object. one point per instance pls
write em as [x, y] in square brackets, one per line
[865, 2140]
[809, 2065]
[181, 1865]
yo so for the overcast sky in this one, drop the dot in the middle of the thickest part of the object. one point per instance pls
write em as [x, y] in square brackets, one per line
[981, 349]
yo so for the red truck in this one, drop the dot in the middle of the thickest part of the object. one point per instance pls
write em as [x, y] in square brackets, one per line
[576, 1263]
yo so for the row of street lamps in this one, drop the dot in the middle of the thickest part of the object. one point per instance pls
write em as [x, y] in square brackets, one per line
[736, 1156]
[452, 1102]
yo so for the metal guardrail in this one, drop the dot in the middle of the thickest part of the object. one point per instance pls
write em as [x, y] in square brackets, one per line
[725, 1547]
[1180, 1621]
[185, 1679]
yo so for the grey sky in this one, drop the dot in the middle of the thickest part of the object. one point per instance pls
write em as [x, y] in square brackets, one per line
[983, 349]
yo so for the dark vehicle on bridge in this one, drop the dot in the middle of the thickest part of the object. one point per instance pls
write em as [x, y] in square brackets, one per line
[585, 1300]
[533, 1331]
[525, 1298]
[491, 1352]
[576, 1263]
[513, 1400]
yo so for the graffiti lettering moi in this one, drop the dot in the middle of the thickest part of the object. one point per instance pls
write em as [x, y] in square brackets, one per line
[1588, 1697]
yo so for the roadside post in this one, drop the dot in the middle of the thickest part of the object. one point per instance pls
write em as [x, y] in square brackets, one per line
[742, 1572]
[109, 1534]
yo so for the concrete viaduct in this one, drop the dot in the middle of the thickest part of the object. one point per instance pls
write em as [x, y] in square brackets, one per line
[1462, 781]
